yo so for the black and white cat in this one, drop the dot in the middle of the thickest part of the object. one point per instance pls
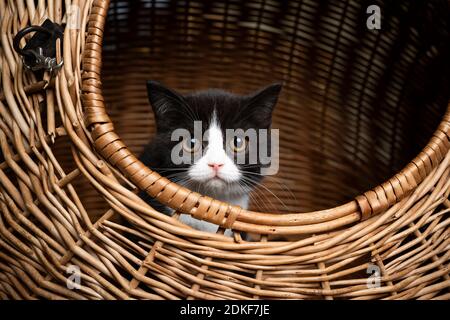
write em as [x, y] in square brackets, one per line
[215, 171]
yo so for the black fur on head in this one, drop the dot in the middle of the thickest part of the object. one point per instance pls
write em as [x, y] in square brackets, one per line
[233, 111]
[173, 110]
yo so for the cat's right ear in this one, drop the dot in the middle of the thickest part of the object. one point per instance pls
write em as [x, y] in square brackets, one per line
[162, 99]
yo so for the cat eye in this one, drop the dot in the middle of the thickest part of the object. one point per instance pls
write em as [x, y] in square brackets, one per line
[238, 144]
[191, 145]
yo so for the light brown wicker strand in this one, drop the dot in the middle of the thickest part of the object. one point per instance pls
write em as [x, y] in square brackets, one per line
[159, 187]
[45, 226]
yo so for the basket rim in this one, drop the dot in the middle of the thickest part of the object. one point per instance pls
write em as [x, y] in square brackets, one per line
[108, 144]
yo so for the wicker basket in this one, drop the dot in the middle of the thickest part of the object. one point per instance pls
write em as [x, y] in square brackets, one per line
[360, 110]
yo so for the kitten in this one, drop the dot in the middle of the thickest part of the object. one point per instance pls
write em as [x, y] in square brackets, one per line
[213, 170]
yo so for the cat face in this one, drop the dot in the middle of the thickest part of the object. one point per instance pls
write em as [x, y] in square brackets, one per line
[221, 155]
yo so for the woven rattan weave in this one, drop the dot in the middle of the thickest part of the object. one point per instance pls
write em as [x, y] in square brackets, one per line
[363, 183]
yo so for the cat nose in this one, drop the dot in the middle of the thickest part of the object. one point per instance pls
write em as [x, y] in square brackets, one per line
[215, 166]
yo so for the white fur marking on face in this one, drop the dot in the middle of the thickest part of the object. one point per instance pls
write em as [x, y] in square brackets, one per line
[203, 171]
[216, 184]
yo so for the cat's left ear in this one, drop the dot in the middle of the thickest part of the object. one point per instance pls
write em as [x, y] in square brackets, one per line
[166, 104]
[262, 103]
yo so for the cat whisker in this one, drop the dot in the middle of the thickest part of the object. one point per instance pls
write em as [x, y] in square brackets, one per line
[252, 195]
[258, 199]
[267, 189]
[170, 169]
[273, 179]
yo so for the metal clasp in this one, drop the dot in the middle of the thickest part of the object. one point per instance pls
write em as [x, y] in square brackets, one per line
[34, 58]
[42, 62]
